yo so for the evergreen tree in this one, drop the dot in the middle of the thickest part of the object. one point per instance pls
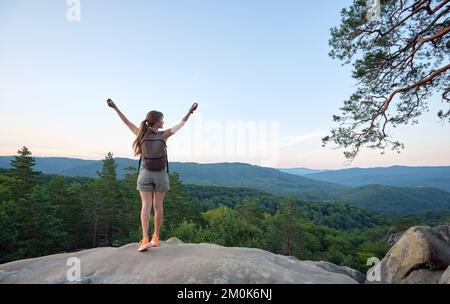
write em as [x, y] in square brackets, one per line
[22, 171]
[400, 59]
[111, 204]
[33, 221]
[251, 209]
[130, 222]
[92, 200]
[70, 210]
[285, 226]
[109, 169]
[8, 233]
[7, 186]
[178, 206]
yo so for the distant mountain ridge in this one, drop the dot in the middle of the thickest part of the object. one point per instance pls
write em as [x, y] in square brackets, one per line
[398, 201]
[223, 174]
[401, 176]
[264, 178]
[393, 200]
[72, 166]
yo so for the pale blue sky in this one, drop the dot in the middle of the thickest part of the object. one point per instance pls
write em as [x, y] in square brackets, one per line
[250, 61]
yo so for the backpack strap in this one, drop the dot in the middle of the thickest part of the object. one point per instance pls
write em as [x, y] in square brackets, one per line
[139, 166]
[167, 158]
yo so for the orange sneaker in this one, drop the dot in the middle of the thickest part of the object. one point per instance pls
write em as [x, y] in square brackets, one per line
[155, 241]
[144, 245]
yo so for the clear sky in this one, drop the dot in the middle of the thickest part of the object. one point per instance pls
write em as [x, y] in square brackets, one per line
[261, 65]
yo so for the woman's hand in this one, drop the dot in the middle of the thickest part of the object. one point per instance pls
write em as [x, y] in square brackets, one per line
[111, 103]
[191, 110]
[193, 107]
[132, 127]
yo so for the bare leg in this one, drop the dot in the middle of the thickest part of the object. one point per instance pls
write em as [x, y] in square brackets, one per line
[158, 207]
[146, 198]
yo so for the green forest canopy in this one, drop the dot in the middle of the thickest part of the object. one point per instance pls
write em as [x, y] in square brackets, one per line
[39, 216]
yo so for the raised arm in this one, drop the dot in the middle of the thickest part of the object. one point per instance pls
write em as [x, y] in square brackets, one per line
[130, 125]
[169, 132]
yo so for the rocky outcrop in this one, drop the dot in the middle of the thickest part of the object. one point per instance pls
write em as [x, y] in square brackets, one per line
[443, 231]
[445, 279]
[173, 262]
[393, 236]
[353, 273]
[423, 276]
[420, 256]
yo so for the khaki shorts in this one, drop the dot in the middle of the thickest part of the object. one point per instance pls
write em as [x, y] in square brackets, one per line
[150, 181]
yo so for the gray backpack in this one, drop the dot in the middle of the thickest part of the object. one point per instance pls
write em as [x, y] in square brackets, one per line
[154, 152]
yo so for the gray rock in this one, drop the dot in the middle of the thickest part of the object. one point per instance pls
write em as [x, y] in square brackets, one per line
[172, 262]
[443, 231]
[353, 273]
[423, 276]
[445, 279]
[393, 236]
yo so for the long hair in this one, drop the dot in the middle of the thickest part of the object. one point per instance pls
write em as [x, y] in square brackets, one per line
[146, 127]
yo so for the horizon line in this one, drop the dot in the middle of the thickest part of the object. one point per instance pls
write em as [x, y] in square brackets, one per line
[239, 162]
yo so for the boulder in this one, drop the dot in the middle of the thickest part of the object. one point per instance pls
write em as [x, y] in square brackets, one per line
[420, 247]
[445, 278]
[172, 262]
